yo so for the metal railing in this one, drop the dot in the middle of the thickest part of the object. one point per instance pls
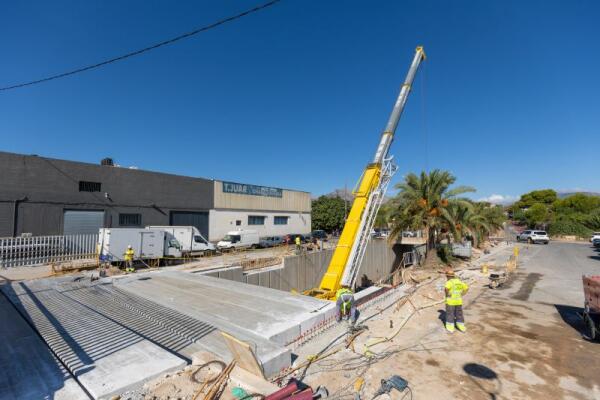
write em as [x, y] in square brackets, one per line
[413, 234]
[37, 250]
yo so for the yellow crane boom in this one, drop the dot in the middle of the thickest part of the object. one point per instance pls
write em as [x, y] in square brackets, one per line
[368, 196]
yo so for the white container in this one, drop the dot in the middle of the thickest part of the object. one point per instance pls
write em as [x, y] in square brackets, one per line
[191, 240]
[239, 240]
[146, 243]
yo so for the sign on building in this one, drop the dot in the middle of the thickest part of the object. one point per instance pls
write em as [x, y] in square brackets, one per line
[253, 190]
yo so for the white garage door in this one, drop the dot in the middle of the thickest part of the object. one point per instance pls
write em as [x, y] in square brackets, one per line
[82, 222]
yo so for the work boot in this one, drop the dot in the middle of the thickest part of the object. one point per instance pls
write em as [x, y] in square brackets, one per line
[449, 327]
[461, 326]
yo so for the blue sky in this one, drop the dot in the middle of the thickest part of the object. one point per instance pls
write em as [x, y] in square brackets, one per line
[296, 96]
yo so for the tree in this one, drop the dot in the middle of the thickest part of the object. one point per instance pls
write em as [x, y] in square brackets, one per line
[477, 220]
[328, 213]
[577, 203]
[382, 219]
[422, 201]
[536, 215]
[545, 196]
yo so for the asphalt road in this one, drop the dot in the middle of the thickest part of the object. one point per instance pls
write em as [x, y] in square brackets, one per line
[554, 272]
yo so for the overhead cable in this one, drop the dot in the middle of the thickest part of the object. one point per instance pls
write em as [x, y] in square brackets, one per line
[145, 49]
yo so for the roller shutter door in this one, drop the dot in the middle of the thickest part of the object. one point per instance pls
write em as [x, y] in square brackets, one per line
[82, 222]
[188, 218]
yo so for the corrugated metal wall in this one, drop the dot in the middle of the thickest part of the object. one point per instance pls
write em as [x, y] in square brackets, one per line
[290, 201]
[305, 271]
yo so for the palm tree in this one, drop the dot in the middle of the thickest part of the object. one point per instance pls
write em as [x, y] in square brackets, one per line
[477, 219]
[422, 202]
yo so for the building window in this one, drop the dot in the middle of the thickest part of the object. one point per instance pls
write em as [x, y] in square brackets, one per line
[238, 222]
[85, 186]
[130, 219]
[256, 220]
[281, 220]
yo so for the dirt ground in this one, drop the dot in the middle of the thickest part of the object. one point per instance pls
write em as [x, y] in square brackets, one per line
[514, 349]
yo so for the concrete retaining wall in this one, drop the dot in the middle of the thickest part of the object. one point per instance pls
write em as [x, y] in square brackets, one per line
[305, 271]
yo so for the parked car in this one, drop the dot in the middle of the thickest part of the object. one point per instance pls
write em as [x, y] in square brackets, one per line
[595, 235]
[239, 240]
[532, 236]
[319, 234]
[596, 242]
[270, 241]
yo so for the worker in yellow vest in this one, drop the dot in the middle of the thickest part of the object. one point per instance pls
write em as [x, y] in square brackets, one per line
[345, 307]
[455, 289]
[298, 244]
[129, 253]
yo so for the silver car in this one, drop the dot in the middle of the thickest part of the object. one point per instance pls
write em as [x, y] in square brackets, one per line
[270, 241]
[532, 236]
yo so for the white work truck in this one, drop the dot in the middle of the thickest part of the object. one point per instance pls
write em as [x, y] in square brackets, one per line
[239, 240]
[191, 240]
[146, 243]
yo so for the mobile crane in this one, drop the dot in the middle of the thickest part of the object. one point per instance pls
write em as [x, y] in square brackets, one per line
[368, 196]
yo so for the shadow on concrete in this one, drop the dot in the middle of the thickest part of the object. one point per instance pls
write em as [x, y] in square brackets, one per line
[165, 327]
[35, 372]
[84, 362]
[484, 378]
[597, 258]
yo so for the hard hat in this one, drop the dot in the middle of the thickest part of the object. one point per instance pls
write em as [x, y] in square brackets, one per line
[129, 246]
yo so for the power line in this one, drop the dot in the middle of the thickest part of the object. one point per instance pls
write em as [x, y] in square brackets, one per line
[145, 49]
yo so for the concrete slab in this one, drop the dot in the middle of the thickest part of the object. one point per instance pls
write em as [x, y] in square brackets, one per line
[213, 300]
[28, 369]
[106, 356]
[269, 313]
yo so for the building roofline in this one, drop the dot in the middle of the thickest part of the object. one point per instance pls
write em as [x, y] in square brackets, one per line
[136, 170]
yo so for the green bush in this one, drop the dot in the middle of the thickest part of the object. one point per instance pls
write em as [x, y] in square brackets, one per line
[568, 226]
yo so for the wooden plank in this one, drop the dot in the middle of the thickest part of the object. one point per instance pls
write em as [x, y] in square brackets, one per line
[243, 355]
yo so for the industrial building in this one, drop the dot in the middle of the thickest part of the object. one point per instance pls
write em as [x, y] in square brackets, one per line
[44, 196]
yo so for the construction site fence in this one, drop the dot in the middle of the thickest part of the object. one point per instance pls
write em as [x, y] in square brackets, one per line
[39, 250]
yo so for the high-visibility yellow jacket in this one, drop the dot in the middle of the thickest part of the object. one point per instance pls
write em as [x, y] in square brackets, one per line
[346, 304]
[129, 255]
[456, 288]
[298, 240]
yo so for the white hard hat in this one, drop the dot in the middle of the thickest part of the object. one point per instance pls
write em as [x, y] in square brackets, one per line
[129, 246]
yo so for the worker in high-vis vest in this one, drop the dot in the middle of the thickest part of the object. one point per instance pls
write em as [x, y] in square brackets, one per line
[298, 244]
[129, 253]
[455, 289]
[345, 308]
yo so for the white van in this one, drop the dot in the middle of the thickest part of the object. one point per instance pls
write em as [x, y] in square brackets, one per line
[191, 240]
[239, 240]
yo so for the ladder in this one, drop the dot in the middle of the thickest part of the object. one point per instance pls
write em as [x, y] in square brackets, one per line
[359, 246]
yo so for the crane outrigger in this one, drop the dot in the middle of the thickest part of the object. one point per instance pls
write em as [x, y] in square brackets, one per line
[368, 196]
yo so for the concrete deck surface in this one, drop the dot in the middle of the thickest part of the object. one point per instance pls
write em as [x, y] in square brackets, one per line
[265, 317]
[107, 356]
[28, 370]
[113, 334]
